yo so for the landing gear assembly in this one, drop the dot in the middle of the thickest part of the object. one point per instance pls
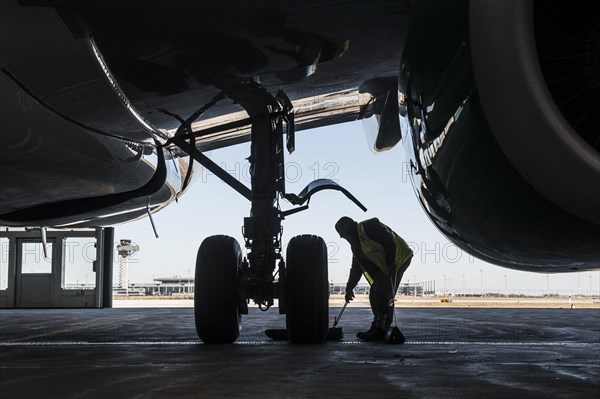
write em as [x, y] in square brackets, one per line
[225, 283]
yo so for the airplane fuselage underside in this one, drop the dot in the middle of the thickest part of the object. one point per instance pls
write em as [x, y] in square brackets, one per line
[102, 103]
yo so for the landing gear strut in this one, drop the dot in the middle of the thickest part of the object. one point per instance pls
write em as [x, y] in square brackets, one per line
[224, 283]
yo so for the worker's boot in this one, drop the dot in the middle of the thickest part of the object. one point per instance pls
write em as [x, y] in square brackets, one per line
[370, 330]
[377, 332]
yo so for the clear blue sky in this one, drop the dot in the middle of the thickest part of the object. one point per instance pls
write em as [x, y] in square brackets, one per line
[341, 153]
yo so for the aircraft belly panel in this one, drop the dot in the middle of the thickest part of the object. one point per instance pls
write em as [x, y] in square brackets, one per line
[44, 158]
[61, 71]
[178, 68]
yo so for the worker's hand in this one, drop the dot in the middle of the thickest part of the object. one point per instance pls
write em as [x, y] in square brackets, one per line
[349, 295]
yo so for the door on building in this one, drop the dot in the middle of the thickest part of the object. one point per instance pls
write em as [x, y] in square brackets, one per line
[34, 274]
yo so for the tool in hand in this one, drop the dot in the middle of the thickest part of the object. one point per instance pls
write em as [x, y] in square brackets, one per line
[335, 333]
[393, 334]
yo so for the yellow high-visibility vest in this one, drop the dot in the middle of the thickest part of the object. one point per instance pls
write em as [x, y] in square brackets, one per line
[376, 253]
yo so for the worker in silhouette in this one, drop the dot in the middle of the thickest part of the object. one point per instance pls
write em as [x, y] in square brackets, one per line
[383, 257]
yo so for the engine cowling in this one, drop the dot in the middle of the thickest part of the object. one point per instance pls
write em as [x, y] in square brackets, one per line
[539, 84]
[499, 164]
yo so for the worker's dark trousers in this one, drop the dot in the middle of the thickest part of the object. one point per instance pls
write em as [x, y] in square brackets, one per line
[382, 294]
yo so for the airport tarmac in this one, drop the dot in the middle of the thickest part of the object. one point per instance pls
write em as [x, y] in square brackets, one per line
[154, 353]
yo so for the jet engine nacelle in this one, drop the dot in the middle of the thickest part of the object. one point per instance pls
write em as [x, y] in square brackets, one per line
[500, 118]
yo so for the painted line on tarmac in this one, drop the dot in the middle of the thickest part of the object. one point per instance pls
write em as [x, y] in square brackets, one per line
[508, 343]
[482, 343]
[275, 343]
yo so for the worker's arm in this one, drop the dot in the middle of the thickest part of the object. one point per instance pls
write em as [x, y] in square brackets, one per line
[355, 274]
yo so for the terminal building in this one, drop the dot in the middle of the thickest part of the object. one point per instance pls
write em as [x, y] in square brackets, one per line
[182, 285]
[161, 286]
[417, 289]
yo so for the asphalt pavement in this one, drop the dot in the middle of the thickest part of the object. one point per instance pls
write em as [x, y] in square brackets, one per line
[155, 353]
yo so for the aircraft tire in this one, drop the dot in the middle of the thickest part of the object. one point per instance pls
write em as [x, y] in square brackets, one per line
[307, 289]
[216, 290]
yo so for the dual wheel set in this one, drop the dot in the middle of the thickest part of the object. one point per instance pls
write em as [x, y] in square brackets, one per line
[217, 290]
